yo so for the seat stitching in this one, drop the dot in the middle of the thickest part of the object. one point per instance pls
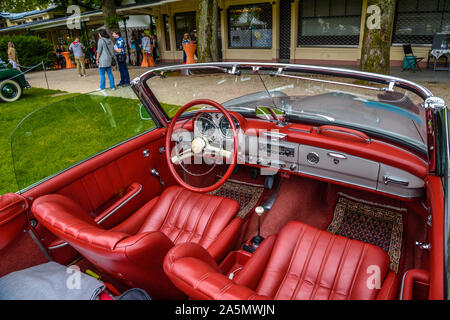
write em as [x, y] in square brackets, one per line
[211, 216]
[361, 257]
[184, 223]
[223, 290]
[202, 211]
[202, 278]
[170, 209]
[297, 244]
[318, 282]
[339, 270]
[306, 265]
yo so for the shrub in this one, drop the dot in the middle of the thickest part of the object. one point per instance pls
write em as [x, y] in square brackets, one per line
[31, 50]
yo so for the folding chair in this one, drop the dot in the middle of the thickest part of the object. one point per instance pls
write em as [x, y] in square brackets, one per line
[410, 61]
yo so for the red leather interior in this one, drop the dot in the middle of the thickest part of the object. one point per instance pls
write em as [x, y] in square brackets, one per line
[301, 262]
[12, 218]
[134, 250]
[435, 198]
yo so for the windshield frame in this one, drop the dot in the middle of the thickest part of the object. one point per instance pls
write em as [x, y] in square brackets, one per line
[234, 68]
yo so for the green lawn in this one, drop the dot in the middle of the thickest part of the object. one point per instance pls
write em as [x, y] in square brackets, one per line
[10, 115]
[69, 129]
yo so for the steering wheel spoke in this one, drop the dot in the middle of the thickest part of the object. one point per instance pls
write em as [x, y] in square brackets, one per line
[186, 154]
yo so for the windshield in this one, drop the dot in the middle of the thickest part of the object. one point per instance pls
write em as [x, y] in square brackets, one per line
[321, 99]
[65, 133]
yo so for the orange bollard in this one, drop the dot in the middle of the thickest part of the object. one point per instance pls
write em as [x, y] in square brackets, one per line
[189, 49]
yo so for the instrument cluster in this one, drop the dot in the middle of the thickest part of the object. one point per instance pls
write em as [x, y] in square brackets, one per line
[207, 124]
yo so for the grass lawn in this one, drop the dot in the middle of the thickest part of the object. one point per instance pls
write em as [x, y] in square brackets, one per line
[10, 115]
[71, 128]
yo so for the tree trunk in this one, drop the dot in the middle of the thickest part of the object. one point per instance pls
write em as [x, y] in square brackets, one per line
[376, 44]
[207, 28]
[110, 15]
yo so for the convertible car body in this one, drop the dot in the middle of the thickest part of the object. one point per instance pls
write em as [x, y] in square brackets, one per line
[236, 181]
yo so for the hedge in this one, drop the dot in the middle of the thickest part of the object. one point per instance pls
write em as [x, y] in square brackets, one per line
[31, 50]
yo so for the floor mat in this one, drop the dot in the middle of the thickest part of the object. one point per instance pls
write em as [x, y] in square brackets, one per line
[374, 225]
[247, 194]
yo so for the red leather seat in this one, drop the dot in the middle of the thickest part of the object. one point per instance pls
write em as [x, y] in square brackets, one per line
[134, 250]
[301, 262]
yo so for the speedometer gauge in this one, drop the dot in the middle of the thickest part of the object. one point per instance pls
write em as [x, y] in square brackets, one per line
[205, 124]
[225, 127]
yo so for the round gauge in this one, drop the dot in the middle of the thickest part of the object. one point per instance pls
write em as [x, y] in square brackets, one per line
[205, 124]
[225, 126]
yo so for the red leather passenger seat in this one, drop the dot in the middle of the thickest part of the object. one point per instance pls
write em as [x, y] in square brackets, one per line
[301, 262]
[134, 250]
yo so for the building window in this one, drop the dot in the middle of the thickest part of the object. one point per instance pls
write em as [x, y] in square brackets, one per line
[184, 23]
[166, 32]
[416, 21]
[250, 26]
[329, 22]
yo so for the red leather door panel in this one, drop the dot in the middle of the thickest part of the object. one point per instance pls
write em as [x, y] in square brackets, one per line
[98, 183]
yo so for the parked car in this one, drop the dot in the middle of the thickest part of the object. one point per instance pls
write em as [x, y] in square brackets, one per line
[12, 83]
[237, 181]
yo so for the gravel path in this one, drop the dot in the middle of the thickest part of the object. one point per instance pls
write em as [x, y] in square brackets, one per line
[68, 79]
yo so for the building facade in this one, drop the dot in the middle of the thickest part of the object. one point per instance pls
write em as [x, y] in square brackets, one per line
[301, 31]
[296, 31]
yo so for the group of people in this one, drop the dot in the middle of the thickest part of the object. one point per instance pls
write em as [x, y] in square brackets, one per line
[142, 43]
[108, 53]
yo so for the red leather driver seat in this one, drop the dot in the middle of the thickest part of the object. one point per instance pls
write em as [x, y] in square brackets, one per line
[134, 250]
[300, 263]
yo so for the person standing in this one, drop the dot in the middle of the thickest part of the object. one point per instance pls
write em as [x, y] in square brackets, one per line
[105, 55]
[155, 53]
[77, 48]
[146, 47]
[12, 56]
[121, 54]
[186, 40]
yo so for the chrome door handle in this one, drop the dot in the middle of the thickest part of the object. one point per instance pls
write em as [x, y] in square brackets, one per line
[387, 180]
[156, 173]
[336, 155]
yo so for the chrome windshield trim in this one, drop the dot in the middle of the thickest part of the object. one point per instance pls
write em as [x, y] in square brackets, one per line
[399, 82]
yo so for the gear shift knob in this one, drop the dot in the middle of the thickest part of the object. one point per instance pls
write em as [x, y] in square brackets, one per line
[256, 240]
[259, 211]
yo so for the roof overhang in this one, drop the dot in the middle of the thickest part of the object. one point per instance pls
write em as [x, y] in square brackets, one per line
[85, 16]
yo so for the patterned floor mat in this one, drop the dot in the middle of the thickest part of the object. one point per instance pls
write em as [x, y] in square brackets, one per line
[246, 194]
[378, 226]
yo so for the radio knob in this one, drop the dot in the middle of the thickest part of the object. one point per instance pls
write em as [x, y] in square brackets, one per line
[293, 166]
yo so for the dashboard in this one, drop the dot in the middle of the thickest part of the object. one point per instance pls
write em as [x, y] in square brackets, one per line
[272, 150]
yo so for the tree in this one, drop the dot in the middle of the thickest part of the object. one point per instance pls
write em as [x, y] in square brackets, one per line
[207, 30]
[376, 44]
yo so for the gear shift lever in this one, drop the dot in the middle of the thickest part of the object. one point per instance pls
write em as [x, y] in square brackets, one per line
[256, 240]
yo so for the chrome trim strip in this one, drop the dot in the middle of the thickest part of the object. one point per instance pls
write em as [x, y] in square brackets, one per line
[121, 205]
[58, 246]
[403, 284]
[424, 92]
[103, 219]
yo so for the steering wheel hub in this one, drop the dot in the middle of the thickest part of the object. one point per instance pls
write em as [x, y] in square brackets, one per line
[198, 144]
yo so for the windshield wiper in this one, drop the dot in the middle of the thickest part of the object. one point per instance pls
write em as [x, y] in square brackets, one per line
[280, 74]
